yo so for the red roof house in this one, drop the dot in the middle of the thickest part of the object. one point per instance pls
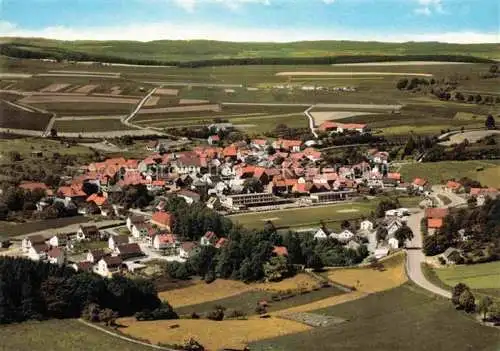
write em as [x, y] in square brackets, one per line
[163, 220]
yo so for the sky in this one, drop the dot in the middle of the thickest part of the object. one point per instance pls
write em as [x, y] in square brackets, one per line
[456, 21]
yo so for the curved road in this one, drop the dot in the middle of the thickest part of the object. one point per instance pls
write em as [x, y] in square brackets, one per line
[415, 256]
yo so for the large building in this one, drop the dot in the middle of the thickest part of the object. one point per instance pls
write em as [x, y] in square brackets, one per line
[332, 196]
[245, 200]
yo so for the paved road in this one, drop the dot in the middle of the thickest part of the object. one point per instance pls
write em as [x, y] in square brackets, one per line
[415, 256]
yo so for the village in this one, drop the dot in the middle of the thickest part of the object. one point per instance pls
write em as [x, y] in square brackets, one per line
[242, 177]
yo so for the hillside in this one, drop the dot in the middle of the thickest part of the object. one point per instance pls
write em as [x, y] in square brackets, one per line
[173, 52]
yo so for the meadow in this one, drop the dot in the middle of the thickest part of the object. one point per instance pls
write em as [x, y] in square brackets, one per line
[60, 335]
[487, 172]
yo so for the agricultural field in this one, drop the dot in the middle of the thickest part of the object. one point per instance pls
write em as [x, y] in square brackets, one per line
[481, 277]
[487, 172]
[48, 147]
[403, 318]
[71, 335]
[307, 217]
[84, 125]
[22, 118]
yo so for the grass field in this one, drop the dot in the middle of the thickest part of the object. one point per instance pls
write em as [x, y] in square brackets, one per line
[60, 335]
[307, 217]
[96, 125]
[48, 147]
[438, 172]
[403, 318]
[482, 277]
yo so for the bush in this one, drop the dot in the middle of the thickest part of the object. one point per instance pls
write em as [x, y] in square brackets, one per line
[441, 260]
[217, 314]
[260, 310]
[239, 314]
[164, 312]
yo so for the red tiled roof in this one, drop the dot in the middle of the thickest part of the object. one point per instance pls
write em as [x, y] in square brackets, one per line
[230, 151]
[167, 238]
[221, 242]
[395, 176]
[163, 218]
[99, 200]
[419, 181]
[214, 137]
[436, 212]
[33, 185]
[55, 252]
[453, 185]
[434, 223]
[280, 251]
[210, 235]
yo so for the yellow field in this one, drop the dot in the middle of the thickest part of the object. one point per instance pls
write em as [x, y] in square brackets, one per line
[368, 280]
[211, 334]
[489, 177]
[202, 292]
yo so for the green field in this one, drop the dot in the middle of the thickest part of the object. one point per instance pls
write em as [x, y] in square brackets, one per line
[94, 125]
[207, 49]
[483, 277]
[60, 335]
[48, 147]
[404, 318]
[307, 217]
[438, 172]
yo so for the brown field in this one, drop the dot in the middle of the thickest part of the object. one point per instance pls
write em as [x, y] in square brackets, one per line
[14, 117]
[301, 280]
[213, 107]
[201, 292]
[211, 334]
[55, 87]
[152, 101]
[34, 99]
[192, 101]
[165, 91]
[320, 117]
[86, 89]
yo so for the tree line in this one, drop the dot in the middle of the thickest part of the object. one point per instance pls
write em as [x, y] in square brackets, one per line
[39, 290]
[36, 52]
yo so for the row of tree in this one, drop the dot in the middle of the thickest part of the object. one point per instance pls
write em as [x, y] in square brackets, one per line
[38, 290]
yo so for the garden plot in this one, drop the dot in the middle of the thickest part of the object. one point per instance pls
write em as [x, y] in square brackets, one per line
[320, 117]
[166, 91]
[86, 89]
[212, 108]
[349, 74]
[55, 87]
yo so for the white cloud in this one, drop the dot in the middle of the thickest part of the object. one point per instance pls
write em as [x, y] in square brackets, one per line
[165, 30]
[189, 5]
[428, 7]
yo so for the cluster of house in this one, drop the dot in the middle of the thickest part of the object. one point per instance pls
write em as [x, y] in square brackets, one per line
[366, 233]
[281, 167]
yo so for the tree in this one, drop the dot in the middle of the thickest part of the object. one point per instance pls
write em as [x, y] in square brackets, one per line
[403, 234]
[314, 261]
[484, 305]
[381, 233]
[472, 202]
[385, 205]
[456, 292]
[253, 185]
[402, 83]
[108, 316]
[490, 122]
[276, 268]
[14, 156]
[89, 188]
[53, 133]
[467, 301]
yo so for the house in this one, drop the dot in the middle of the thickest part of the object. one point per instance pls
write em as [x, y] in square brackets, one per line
[398, 212]
[165, 241]
[420, 184]
[88, 233]
[32, 186]
[321, 233]
[366, 225]
[109, 265]
[188, 249]
[83, 266]
[116, 240]
[345, 235]
[209, 239]
[57, 256]
[452, 256]
[434, 223]
[95, 255]
[98, 198]
[288, 145]
[32, 240]
[59, 240]
[129, 251]
[38, 252]
[189, 196]
[152, 145]
[164, 220]
[393, 226]
[393, 242]
[280, 251]
[221, 243]
[381, 252]
[454, 187]
[438, 213]
[213, 139]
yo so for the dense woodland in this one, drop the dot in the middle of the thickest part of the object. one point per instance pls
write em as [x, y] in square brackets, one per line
[480, 239]
[38, 290]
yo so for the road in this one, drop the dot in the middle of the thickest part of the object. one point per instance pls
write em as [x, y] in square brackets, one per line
[414, 254]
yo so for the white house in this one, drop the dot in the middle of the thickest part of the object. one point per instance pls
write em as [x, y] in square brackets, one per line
[88, 233]
[381, 252]
[109, 265]
[366, 225]
[345, 235]
[393, 243]
[208, 239]
[59, 240]
[132, 220]
[321, 234]
[116, 240]
[165, 241]
[95, 255]
[38, 252]
[393, 226]
[32, 240]
[188, 249]
[57, 256]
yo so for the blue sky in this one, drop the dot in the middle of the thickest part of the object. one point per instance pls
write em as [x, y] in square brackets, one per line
[254, 20]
